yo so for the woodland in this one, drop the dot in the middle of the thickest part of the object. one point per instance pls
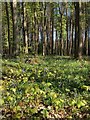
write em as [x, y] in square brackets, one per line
[45, 61]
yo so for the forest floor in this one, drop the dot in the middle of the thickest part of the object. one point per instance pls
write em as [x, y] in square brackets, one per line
[45, 87]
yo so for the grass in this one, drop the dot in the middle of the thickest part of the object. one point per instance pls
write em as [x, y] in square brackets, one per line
[45, 87]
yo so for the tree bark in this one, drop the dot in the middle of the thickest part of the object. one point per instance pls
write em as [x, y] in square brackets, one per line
[67, 41]
[15, 27]
[9, 42]
[86, 31]
[25, 29]
[80, 36]
[76, 43]
[61, 38]
[71, 37]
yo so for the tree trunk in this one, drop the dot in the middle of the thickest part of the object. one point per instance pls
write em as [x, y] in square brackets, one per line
[50, 29]
[76, 43]
[80, 36]
[52, 26]
[56, 44]
[15, 27]
[86, 31]
[61, 52]
[25, 29]
[67, 41]
[61, 25]
[71, 37]
[9, 42]
[44, 29]
[72, 50]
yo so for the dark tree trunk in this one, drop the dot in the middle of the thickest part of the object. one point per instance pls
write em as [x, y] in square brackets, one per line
[80, 35]
[67, 41]
[52, 25]
[44, 30]
[15, 27]
[9, 42]
[76, 43]
[86, 31]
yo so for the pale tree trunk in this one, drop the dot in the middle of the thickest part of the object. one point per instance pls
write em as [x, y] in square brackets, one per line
[25, 29]
[35, 27]
[56, 44]
[72, 50]
[71, 37]
[28, 33]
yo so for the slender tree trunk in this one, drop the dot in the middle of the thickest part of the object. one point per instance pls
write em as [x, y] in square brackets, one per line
[67, 41]
[36, 33]
[72, 51]
[86, 31]
[61, 25]
[71, 37]
[56, 44]
[44, 29]
[23, 33]
[61, 53]
[9, 42]
[80, 36]
[47, 35]
[88, 42]
[76, 43]
[50, 30]
[11, 4]
[28, 34]
[15, 27]
[20, 26]
[52, 26]
[25, 29]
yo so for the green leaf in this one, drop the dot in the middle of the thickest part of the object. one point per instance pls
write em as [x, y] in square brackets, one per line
[73, 102]
[34, 110]
[1, 101]
[13, 89]
[48, 84]
[45, 113]
[81, 103]
[85, 87]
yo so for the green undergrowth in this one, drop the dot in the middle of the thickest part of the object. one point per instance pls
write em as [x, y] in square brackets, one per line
[49, 87]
